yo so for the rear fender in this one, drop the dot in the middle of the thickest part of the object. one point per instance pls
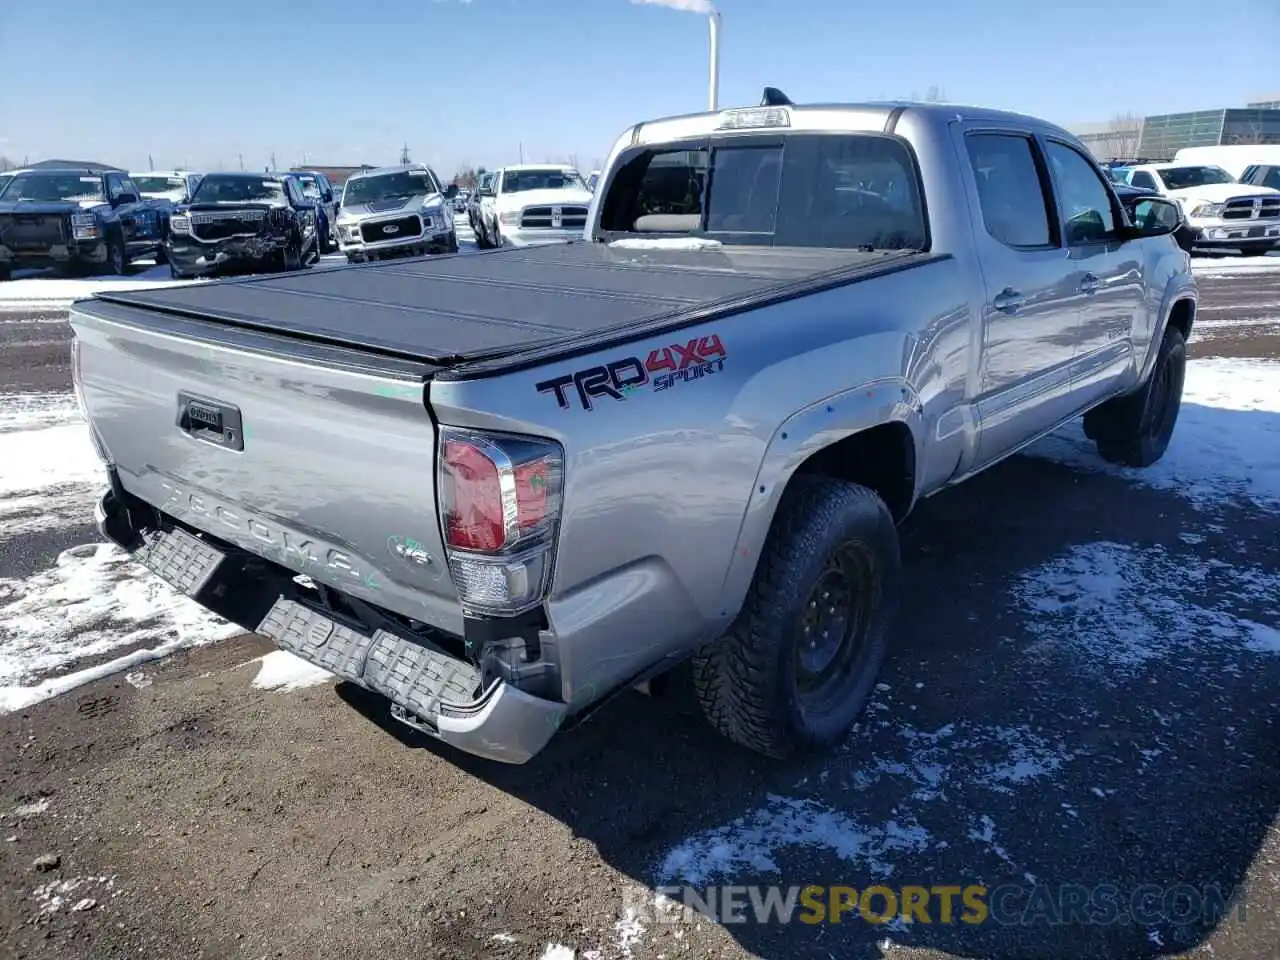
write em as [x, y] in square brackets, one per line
[799, 437]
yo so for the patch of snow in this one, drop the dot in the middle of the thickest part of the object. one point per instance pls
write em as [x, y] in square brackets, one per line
[95, 599]
[555, 951]
[629, 932]
[52, 896]
[665, 243]
[29, 411]
[751, 842]
[33, 809]
[1226, 442]
[987, 834]
[1120, 606]
[138, 680]
[35, 460]
[960, 755]
[282, 670]
[503, 938]
[1234, 266]
[48, 288]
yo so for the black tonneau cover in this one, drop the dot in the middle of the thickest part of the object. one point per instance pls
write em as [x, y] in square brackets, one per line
[470, 307]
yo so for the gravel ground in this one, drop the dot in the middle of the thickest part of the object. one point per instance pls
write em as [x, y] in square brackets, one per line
[1021, 736]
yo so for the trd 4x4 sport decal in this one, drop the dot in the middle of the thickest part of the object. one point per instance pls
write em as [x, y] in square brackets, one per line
[663, 368]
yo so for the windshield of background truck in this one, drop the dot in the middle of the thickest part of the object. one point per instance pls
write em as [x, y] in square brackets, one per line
[153, 184]
[388, 186]
[518, 181]
[216, 189]
[1180, 178]
[845, 191]
[53, 187]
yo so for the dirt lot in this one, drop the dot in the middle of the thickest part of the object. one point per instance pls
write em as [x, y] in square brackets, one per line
[1026, 732]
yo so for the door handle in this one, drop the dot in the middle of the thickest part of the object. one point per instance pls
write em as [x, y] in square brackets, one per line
[1008, 300]
[1089, 283]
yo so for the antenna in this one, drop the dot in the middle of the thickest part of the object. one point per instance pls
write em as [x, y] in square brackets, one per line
[404, 155]
[773, 97]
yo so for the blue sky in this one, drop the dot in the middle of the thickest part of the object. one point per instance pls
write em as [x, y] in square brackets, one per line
[349, 81]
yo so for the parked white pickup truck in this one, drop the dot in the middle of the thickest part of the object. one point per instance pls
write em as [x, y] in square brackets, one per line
[1222, 212]
[534, 204]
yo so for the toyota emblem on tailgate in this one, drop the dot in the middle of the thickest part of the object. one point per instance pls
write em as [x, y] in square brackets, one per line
[390, 228]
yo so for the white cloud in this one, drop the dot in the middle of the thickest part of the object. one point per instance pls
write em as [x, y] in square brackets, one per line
[690, 6]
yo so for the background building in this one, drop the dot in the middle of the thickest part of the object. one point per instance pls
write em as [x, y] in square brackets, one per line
[1159, 137]
[1166, 134]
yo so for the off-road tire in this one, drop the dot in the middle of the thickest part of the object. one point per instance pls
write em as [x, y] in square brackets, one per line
[1134, 430]
[747, 682]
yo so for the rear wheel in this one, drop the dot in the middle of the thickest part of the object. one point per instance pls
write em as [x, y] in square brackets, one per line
[797, 666]
[1134, 430]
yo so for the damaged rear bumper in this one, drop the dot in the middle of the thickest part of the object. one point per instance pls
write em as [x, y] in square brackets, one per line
[430, 689]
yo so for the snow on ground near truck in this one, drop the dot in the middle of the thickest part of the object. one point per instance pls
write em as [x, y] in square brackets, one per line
[281, 670]
[93, 601]
[43, 288]
[1207, 266]
[1226, 443]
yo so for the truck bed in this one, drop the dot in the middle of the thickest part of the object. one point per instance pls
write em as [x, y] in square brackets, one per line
[472, 307]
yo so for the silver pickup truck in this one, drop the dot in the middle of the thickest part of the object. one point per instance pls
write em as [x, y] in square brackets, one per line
[500, 488]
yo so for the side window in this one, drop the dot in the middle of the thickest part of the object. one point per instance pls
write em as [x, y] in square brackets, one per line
[1140, 178]
[1084, 198]
[129, 187]
[658, 191]
[1265, 177]
[1015, 208]
[114, 187]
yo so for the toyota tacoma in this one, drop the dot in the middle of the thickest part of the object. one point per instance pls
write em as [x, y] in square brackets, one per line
[498, 489]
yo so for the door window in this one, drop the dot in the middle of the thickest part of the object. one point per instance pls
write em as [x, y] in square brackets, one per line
[1015, 208]
[1083, 197]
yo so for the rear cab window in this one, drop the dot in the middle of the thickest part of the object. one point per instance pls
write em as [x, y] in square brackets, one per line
[851, 191]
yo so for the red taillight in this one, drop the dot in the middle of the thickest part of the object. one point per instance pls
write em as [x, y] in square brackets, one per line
[474, 520]
[500, 502]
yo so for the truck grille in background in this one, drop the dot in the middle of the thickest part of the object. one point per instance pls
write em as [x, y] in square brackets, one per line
[27, 231]
[1242, 208]
[220, 226]
[404, 227]
[572, 218]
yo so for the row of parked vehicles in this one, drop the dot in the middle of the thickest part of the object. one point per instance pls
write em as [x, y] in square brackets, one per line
[1229, 195]
[100, 220]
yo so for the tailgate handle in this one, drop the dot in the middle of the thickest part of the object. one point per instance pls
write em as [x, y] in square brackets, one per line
[211, 421]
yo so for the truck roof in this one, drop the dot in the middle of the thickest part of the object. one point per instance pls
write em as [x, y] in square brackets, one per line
[873, 115]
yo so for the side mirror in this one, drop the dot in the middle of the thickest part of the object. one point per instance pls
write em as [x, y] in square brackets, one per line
[126, 198]
[1153, 217]
[451, 191]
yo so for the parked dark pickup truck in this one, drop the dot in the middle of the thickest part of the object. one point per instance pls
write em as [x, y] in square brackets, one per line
[77, 219]
[500, 488]
[243, 220]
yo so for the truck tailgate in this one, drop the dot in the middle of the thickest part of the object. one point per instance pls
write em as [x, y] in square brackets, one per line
[325, 467]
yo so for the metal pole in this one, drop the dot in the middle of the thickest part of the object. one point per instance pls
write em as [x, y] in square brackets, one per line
[713, 91]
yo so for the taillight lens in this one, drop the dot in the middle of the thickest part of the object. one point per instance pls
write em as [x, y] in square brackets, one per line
[500, 502]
